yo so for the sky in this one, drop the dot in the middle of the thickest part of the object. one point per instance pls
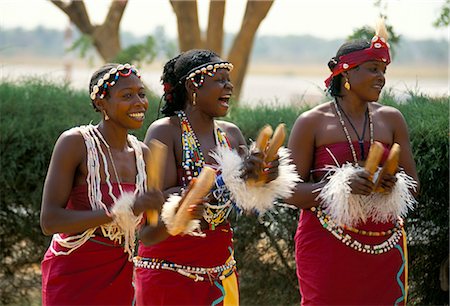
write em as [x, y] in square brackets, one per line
[327, 19]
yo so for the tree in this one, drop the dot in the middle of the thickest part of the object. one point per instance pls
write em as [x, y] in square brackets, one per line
[106, 38]
[189, 34]
[444, 16]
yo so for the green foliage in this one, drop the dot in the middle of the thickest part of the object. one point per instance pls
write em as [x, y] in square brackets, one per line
[138, 53]
[34, 113]
[444, 17]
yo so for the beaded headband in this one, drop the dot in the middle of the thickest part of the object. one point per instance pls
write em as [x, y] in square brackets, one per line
[209, 69]
[103, 81]
[378, 51]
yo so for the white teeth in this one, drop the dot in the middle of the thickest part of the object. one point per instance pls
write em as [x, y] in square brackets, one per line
[137, 115]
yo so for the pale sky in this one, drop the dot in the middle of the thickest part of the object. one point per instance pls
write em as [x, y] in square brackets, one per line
[322, 18]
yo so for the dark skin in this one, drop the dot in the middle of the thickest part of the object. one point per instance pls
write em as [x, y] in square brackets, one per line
[211, 102]
[320, 126]
[125, 105]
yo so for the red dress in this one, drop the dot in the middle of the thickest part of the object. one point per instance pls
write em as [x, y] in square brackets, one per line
[97, 273]
[332, 273]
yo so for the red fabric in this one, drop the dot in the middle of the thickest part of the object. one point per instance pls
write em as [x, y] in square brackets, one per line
[95, 273]
[163, 287]
[331, 273]
[378, 51]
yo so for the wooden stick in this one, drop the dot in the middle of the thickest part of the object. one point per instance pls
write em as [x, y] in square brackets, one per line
[194, 195]
[155, 165]
[389, 167]
[276, 142]
[374, 158]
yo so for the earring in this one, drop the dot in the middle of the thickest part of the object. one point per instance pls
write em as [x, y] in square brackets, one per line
[106, 117]
[347, 84]
[194, 97]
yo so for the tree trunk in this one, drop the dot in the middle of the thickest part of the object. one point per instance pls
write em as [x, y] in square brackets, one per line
[240, 52]
[187, 21]
[105, 37]
[214, 35]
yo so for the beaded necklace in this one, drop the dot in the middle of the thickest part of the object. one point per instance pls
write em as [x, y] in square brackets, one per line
[192, 159]
[192, 163]
[347, 134]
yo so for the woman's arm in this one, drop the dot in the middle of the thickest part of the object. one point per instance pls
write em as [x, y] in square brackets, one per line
[302, 144]
[163, 131]
[68, 154]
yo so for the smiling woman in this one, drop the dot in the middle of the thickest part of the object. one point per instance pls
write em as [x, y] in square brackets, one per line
[188, 269]
[92, 214]
[347, 228]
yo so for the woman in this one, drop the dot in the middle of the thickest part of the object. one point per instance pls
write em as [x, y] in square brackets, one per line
[94, 196]
[199, 270]
[364, 261]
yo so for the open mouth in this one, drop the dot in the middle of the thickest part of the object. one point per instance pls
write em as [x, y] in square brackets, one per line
[137, 116]
[225, 100]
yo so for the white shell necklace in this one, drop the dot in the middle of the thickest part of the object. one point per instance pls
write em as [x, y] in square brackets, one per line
[112, 160]
[347, 135]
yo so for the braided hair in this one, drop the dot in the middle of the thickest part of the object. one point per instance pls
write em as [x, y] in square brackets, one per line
[351, 46]
[174, 76]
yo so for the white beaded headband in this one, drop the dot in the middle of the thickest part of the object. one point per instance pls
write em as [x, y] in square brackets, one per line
[209, 69]
[103, 81]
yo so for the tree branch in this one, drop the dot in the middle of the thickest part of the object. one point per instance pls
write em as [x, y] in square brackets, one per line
[76, 10]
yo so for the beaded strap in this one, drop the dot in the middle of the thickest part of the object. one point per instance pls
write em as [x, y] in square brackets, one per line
[194, 273]
[375, 249]
[347, 134]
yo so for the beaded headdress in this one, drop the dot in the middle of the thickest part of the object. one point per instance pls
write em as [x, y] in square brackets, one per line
[378, 51]
[103, 83]
[208, 68]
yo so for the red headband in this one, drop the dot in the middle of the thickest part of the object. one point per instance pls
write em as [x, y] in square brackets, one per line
[378, 51]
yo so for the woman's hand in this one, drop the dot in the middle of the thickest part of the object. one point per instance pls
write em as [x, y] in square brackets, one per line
[387, 182]
[271, 170]
[361, 183]
[151, 200]
[253, 165]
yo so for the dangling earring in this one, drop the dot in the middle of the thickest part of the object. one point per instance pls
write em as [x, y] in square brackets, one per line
[106, 117]
[347, 84]
[194, 97]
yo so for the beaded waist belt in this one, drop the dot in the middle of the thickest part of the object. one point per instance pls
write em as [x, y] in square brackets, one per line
[392, 235]
[195, 273]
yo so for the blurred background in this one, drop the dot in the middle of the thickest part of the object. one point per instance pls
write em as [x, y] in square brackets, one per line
[287, 58]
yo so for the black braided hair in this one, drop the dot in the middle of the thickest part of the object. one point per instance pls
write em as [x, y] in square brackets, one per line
[174, 75]
[99, 74]
[351, 46]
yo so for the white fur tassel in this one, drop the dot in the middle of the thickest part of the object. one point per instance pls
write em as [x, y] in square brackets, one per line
[168, 212]
[337, 199]
[350, 209]
[384, 207]
[124, 223]
[259, 198]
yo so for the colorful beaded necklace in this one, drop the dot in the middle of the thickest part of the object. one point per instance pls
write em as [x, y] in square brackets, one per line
[192, 159]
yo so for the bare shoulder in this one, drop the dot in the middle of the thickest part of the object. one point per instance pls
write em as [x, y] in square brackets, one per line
[228, 127]
[233, 133]
[163, 129]
[386, 112]
[314, 116]
[71, 139]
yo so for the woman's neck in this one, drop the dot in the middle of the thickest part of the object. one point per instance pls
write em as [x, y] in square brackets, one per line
[200, 122]
[352, 106]
[115, 137]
